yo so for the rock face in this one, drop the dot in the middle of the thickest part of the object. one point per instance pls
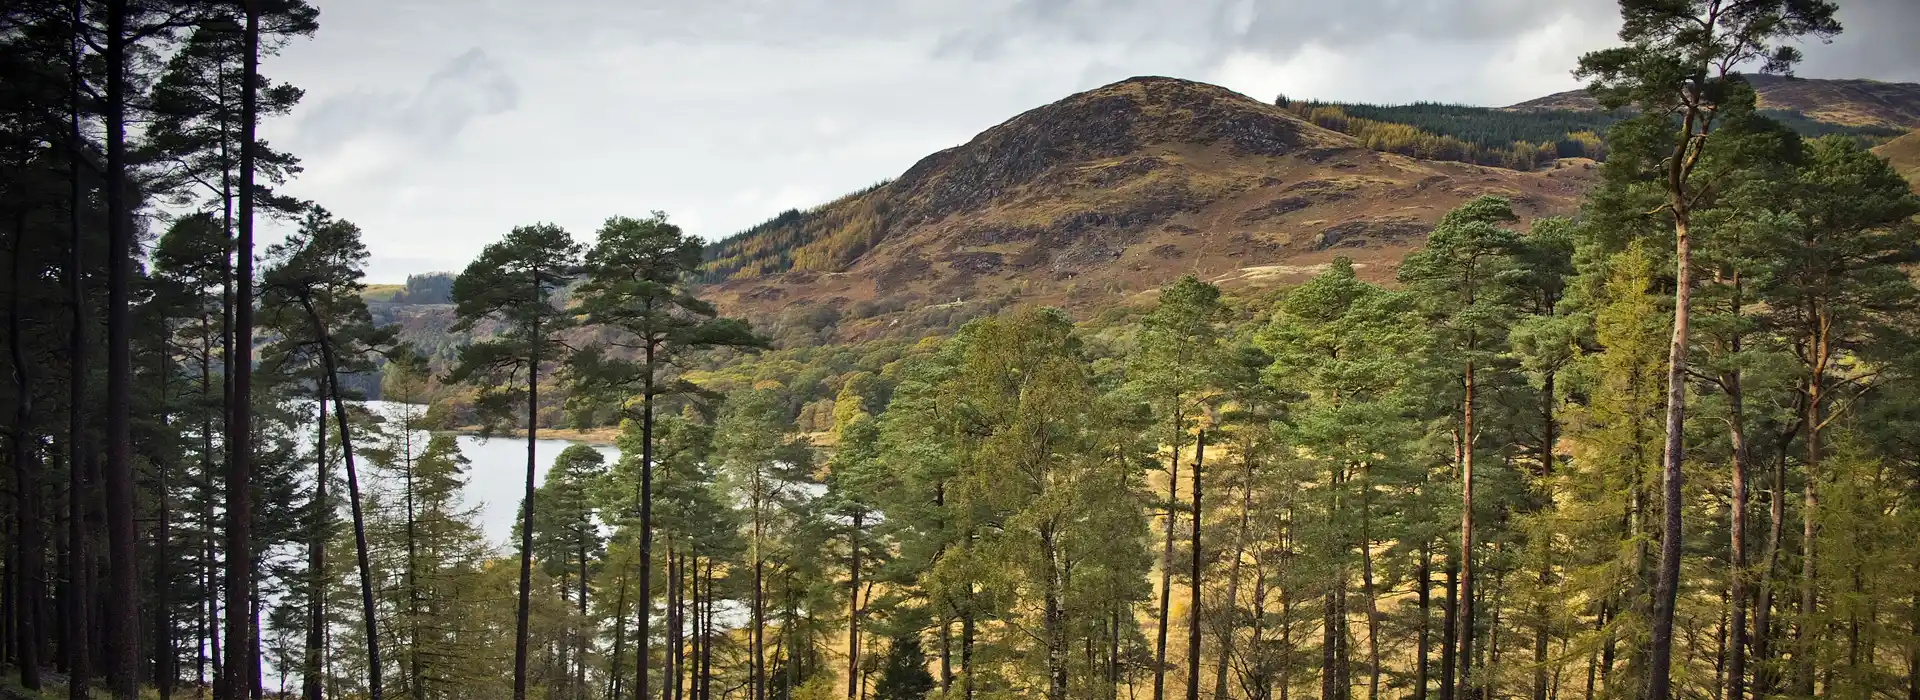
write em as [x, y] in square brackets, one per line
[1104, 195]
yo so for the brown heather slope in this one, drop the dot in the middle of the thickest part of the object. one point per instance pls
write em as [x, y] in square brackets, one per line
[1100, 198]
[1904, 154]
[1853, 102]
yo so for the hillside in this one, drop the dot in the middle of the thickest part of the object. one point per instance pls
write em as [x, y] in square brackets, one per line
[1102, 196]
[1904, 153]
[1846, 102]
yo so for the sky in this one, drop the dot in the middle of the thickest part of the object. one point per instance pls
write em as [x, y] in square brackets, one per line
[439, 125]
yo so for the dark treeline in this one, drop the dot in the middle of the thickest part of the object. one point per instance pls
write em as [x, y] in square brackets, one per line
[1663, 448]
[1515, 139]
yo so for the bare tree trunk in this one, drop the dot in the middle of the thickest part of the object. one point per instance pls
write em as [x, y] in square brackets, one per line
[242, 660]
[643, 607]
[28, 544]
[853, 608]
[317, 561]
[526, 519]
[1229, 619]
[1366, 584]
[1193, 574]
[1465, 602]
[1666, 585]
[123, 645]
[79, 447]
[1423, 643]
[353, 501]
[1166, 566]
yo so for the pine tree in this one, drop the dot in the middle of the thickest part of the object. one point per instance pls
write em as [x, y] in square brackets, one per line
[1679, 63]
[513, 283]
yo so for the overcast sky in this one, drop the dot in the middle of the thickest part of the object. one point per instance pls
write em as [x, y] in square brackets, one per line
[438, 125]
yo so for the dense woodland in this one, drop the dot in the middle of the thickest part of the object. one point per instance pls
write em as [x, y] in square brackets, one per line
[1514, 139]
[1663, 448]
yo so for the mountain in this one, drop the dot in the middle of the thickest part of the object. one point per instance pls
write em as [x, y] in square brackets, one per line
[1845, 102]
[1100, 197]
[1904, 153]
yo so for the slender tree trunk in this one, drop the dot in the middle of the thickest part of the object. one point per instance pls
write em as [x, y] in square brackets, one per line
[1054, 619]
[1449, 624]
[643, 607]
[123, 647]
[29, 545]
[1166, 565]
[706, 646]
[526, 515]
[163, 651]
[1424, 591]
[79, 446]
[1765, 675]
[619, 639]
[311, 675]
[1366, 584]
[242, 657]
[1230, 619]
[853, 608]
[1666, 585]
[1193, 575]
[1738, 598]
[1810, 530]
[353, 501]
[946, 655]
[416, 670]
[580, 635]
[1465, 602]
[758, 667]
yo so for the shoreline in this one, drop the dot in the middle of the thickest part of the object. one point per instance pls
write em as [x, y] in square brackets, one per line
[599, 437]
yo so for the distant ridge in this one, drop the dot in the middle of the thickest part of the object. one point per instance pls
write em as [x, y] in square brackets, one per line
[1854, 102]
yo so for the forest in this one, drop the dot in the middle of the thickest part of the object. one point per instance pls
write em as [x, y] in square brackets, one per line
[1508, 138]
[1662, 448]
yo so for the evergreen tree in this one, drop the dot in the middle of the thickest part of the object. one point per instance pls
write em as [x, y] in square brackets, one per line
[513, 283]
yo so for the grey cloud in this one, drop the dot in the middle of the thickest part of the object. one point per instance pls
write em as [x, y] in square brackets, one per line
[1877, 41]
[467, 87]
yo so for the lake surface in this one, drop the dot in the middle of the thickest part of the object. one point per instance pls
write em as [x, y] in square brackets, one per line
[497, 475]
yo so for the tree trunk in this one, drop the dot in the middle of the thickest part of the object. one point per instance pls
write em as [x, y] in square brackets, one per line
[1193, 576]
[1737, 550]
[317, 562]
[758, 666]
[643, 606]
[163, 651]
[580, 635]
[853, 608]
[1366, 584]
[1465, 601]
[526, 516]
[415, 664]
[1810, 530]
[1449, 624]
[353, 501]
[706, 646]
[1166, 566]
[123, 622]
[1054, 619]
[1423, 643]
[1229, 619]
[1765, 676]
[79, 447]
[1666, 585]
[619, 639]
[242, 661]
[27, 495]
